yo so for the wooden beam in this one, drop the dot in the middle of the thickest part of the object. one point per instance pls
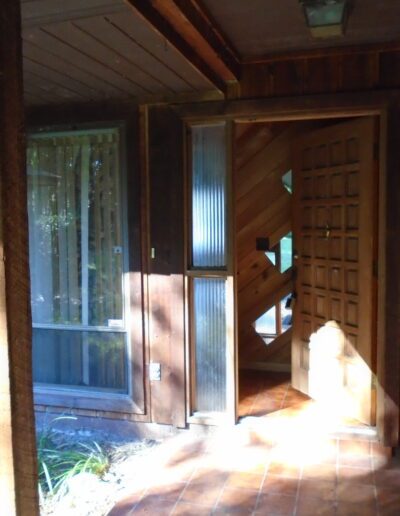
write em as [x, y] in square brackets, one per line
[197, 27]
[164, 27]
[307, 107]
[61, 113]
[18, 472]
[315, 53]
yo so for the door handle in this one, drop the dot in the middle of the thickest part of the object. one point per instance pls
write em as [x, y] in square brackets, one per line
[327, 231]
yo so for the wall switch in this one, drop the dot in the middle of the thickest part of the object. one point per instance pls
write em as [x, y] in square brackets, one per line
[155, 371]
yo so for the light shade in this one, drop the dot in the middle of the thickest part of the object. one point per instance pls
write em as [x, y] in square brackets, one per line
[325, 18]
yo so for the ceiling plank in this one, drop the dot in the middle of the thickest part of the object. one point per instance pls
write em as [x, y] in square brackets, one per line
[143, 35]
[99, 88]
[49, 38]
[191, 20]
[42, 12]
[116, 40]
[164, 27]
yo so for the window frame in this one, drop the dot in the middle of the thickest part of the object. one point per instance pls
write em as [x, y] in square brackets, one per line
[277, 306]
[226, 272]
[73, 397]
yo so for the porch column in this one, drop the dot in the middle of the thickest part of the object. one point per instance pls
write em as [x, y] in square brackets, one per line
[18, 473]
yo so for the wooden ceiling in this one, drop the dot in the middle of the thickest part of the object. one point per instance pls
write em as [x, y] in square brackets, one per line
[93, 50]
[259, 28]
[81, 51]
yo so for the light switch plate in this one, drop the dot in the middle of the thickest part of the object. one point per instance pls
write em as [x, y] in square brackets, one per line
[155, 371]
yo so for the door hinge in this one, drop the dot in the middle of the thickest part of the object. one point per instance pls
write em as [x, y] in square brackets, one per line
[374, 382]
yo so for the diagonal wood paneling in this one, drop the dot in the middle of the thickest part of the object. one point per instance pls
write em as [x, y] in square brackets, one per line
[263, 209]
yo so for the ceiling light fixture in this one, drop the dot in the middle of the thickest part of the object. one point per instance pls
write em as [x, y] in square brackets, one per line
[326, 18]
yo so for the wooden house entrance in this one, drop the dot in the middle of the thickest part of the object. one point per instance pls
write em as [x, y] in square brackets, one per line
[313, 184]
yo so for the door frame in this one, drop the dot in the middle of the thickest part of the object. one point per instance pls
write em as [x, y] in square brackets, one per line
[335, 106]
[228, 274]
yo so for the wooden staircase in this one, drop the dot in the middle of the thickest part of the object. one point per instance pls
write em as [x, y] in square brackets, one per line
[263, 209]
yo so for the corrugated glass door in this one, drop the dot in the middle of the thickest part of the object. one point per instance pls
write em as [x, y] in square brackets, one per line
[210, 278]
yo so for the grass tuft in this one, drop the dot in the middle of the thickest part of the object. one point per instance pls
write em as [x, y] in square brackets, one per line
[59, 461]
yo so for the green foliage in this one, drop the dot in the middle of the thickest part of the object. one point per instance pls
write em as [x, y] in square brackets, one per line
[60, 460]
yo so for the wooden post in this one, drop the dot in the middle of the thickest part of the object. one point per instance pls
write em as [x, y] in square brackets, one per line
[18, 471]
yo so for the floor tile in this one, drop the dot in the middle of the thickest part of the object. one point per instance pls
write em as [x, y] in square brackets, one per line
[355, 493]
[275, 504]
[353, 447]
[388, 477]
[245, 480]
[151, 506]
[202, 493]
[169, 492]
[284, 470]
[280, 485]
[320, 471]
[236, 501]
[320, 489]
[190, 509]
[126, 505]
[356, 509]
[388, 500]
[357, 461]
[315, 507]
[356, 475]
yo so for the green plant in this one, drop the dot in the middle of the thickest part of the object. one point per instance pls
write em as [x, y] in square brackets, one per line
[60, 460]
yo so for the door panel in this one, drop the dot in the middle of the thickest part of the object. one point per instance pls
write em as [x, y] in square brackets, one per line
[334, 221]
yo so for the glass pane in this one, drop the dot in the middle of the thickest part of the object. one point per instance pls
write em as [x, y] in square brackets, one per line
[209, 196]
[271, 255]
[286, 252]
[80, 359]
[266, 324]
[288, 181]
[210, 344]
[286, 313]
[328, 13]
[105, 262]
[75, 231]
[54, 227]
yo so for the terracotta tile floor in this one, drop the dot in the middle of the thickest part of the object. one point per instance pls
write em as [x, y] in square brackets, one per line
[282, 462]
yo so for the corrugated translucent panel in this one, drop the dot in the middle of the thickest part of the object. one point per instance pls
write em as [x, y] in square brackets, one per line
[210, 339]
[209, 196]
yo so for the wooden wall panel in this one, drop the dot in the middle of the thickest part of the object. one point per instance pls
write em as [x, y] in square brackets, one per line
[166, 279]
[263, 209]
[18, 471]
[307, 75]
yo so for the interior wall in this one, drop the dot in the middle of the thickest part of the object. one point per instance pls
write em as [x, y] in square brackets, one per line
[263, 210]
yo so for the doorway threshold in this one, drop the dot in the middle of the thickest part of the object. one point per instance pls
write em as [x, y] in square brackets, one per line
[276, 425]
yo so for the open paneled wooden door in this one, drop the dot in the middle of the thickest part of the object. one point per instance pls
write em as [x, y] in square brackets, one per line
[335, 216]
